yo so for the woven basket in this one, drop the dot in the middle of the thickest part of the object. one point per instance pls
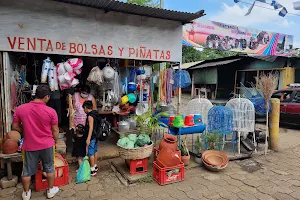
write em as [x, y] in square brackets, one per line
[137, 153]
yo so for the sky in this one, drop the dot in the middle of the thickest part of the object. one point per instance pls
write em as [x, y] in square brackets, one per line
[227, 11]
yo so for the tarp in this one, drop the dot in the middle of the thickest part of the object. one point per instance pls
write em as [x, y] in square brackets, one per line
[217, 35]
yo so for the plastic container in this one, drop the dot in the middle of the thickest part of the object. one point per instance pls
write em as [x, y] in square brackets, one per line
[168, 175]
[41, 182]
[139, 166]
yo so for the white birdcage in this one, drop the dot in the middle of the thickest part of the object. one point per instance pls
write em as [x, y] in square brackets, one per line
[243, 116]
[199, 106]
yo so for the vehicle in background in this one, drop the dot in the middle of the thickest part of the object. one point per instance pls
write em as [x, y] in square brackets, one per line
[289, 104]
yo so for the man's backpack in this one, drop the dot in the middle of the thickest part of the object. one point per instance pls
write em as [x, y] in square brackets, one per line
[102, 128]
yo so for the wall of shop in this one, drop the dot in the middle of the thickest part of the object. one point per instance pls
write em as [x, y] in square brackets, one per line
[59, 28]
[251, 63]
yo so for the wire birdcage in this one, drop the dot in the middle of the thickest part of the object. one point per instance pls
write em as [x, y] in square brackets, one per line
[199, 106]
[220, 120]
[243, 114]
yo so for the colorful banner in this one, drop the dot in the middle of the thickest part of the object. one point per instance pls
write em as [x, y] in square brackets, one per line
[211, 34]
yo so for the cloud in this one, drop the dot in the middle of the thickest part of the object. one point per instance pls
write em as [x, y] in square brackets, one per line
[296, 45]
[236, 15]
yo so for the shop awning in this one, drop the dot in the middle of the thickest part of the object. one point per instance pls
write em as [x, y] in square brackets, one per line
[117, 6]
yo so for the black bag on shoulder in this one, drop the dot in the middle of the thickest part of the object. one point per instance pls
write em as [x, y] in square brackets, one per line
[102, 128]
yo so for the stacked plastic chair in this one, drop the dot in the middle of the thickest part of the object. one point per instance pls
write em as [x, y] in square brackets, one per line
[243, 117]
[199, 106]
[220, 121]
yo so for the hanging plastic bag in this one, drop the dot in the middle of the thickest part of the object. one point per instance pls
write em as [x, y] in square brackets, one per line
[73, 63]
[51, 77]
[45, 70]
[60, 68]
[96, 76]
[84, 172]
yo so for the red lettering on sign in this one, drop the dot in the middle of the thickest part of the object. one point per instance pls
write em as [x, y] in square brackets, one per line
[168, 56]
[85, 51]
[101, 50]
[12, 44]
[156, 53]
[131, 51]
[49, 46]
[94, 47]
[79, 48]
[110, 51]
[31, 44]
[121, 50]
[149, 54]
[21, 42]
[41, 42]
[58, 45]
[72, 47]
[63, 46]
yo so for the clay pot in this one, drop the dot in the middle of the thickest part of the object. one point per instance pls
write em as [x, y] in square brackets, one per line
[9, 146]
[169, 141]
[14, 135]
[215, 158]
[213, 168]
[186, 160]
[168, 158]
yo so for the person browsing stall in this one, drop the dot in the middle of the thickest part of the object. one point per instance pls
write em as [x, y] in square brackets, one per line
[78, 99]
[91, 141]
[39, 124]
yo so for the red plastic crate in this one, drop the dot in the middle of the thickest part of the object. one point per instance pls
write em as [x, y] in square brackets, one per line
[164, 175]
[139, 166]
[41, 182]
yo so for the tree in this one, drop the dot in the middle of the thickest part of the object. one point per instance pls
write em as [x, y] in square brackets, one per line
[150, 3]
[190, 54]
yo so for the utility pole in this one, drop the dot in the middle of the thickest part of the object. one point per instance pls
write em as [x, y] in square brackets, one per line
[162, 3]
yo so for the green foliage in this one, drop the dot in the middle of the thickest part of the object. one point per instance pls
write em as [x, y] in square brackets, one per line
[183, 148]
[149, 3]
[213, 140]
[199, 145]
[150, 121]
[190, 54]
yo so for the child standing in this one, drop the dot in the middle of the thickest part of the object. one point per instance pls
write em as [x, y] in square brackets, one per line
[91, 141]
[79, 147]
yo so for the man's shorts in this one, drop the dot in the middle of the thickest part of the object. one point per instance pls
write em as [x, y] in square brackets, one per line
[93, 147]
[32, 158]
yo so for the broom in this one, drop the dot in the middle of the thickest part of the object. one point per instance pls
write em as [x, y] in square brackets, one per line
[267, 83]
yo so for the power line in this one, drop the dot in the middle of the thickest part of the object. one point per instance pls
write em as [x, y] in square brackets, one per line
[267, 8]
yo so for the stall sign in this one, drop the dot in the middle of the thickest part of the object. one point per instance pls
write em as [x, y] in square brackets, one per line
[46, 45]
[217, 35]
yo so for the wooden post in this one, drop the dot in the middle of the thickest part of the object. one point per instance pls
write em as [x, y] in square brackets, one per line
[274, 124]
[193, 85]
[235, 77]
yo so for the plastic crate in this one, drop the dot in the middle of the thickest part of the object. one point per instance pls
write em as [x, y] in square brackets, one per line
[139, 166]
[168, 175]
[41, 182]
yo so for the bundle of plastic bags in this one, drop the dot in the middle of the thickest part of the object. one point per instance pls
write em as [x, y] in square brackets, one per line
[96, 76]
[67, 71]
[134, 141]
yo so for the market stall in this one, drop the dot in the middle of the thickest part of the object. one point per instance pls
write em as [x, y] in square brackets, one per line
[114, 52]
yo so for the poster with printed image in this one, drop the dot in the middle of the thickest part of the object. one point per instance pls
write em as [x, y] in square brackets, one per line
[217, 35]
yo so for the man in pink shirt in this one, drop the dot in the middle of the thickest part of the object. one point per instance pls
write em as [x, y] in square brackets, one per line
[39, 124]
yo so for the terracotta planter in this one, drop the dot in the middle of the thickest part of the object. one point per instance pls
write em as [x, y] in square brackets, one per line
[169, 142]
[168, 158]
[215, 158]
[186, 160]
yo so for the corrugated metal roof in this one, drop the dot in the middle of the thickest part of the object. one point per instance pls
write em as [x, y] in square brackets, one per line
[117, 6]
[263, 57]
[213, 64]
[188, 65]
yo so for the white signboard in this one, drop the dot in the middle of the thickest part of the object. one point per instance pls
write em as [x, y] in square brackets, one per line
[57, 28]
